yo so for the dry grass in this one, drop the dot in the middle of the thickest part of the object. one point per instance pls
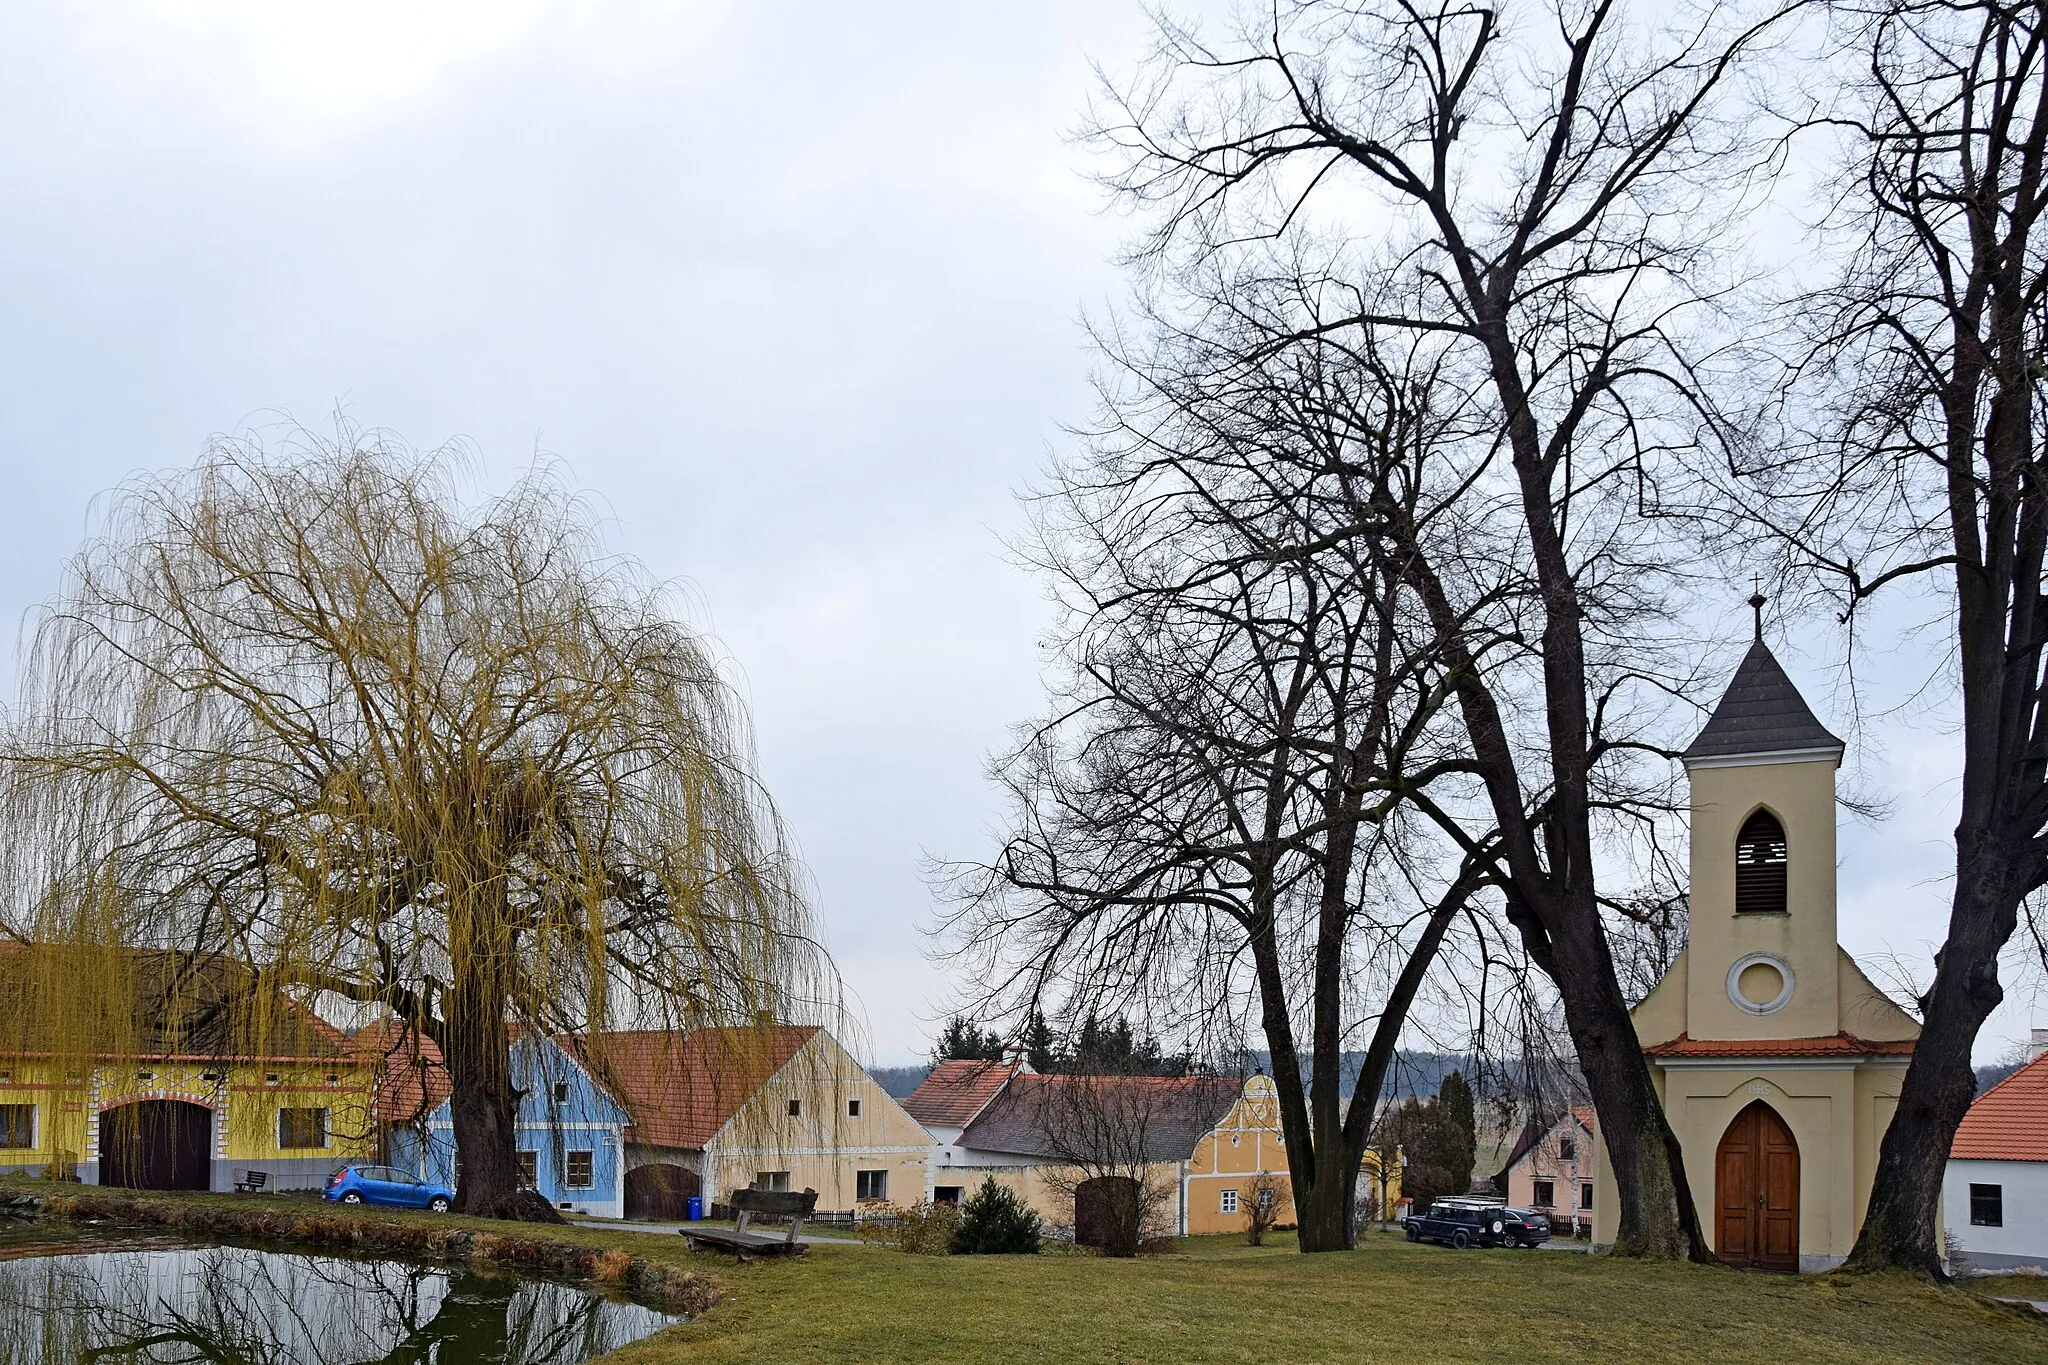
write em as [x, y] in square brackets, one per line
[1213, 1300]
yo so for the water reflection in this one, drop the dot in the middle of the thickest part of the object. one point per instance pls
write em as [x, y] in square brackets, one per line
[232, 1304]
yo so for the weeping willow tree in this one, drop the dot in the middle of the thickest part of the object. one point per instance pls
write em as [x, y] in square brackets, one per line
[305, 711]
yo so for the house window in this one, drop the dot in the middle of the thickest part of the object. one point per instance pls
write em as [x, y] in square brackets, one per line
[302, 1127]
[870, 1184]
[947, 1194]
[561, 1092]
[1266, 1200]
[529, 1169]
[17, 1125]
[1760, 866]
[1229, 1201]
[1586, 1195]
[578, 1170]
[1567, 1150]
[777, 1181]
[796, 1109]
[1987, 1206]
[853, 1109]
[1546, 1194]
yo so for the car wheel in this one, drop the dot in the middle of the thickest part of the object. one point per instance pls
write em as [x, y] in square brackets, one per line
[1414, 1234]
[439, 1204]
[352, 1198]
[1461, 1239]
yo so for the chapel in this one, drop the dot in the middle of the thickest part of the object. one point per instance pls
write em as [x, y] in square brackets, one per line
[1778, 1061]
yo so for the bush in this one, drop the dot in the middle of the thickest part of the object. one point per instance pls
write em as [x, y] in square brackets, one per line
[923, 1229]
[995, 1223]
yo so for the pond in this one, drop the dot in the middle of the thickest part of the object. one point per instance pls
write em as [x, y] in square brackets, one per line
[70, 1294]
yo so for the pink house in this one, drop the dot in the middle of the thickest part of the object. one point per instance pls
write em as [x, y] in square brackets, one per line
[1551, 1169]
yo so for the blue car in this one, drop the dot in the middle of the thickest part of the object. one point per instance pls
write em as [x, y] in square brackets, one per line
[389, 1186]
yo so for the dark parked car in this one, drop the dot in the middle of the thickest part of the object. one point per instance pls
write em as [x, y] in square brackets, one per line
[1526, 1227]
[389, 1186]
[1462, 1223]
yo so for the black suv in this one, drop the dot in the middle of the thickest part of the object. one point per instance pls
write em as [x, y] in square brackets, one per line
[1526, 1227]
[1463, 1223]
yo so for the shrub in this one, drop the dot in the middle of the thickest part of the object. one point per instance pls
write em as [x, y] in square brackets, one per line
[995, 1223]
[923, 1229]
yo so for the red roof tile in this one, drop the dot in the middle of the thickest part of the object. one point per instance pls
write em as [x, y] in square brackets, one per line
[2009, 1122]
[956, 1091]
[1844, 1045]
[682, 1088]
[411, 1078]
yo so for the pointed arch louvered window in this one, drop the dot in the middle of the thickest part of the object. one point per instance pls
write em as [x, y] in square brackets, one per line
[1760, 866]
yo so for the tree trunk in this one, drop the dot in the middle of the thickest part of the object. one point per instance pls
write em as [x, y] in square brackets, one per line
[1324, 1211]
[1652, 1195]
[1901, 1226]
[477, 1047]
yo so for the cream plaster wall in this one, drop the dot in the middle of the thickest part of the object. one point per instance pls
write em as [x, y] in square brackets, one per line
[823, 1146]
[1802, 796]
[1837, 1115]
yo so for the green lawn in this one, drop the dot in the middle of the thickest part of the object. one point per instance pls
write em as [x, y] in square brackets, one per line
[1221, 1301]
[1217, 1300]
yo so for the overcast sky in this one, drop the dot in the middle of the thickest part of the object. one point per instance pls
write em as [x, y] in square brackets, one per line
[791, 288]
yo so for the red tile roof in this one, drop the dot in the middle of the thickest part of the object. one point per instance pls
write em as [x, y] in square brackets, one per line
[956, 1091]
[411, 1078]
[682, 1088]
[2009, 1122]
[1844, 1045]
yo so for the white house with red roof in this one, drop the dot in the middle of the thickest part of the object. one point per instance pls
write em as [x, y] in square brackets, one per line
[950, 1099]
[1552, 1169]
[1995, 1192]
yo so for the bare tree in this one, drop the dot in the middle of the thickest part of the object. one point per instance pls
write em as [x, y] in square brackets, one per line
[1930, 475]
[1213, 826]
[1262, 1198]
[1112, 1141]
[306, 711]
[1538, 205]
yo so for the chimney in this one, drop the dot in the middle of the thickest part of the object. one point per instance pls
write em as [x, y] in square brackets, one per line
[2037, 1044]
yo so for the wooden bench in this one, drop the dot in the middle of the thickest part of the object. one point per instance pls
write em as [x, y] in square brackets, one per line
[747, 1245]
[252, 1182]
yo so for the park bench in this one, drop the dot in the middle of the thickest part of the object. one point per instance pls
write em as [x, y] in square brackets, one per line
[252, 1182]
[747, 1245]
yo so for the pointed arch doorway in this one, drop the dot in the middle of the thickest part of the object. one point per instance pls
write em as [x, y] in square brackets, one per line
[1756, 1192]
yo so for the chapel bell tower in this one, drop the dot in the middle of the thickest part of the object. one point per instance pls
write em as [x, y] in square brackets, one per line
[1778, 1061]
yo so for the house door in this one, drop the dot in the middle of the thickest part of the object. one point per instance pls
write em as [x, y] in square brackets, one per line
[659, 1190]
[157, 1145]
[1756, 1192]
[1106, 1214]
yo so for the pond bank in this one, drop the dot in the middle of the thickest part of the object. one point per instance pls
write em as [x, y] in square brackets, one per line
[529, 1249]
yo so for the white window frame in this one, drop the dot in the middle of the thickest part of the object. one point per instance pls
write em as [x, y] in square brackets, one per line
[1229, 1201]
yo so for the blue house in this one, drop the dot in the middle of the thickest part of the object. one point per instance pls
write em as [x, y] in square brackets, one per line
[571, 1133]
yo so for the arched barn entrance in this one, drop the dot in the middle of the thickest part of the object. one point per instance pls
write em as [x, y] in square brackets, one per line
[659, 1191]
[1756, 1192]
[1106, 1214]
[157, 1145]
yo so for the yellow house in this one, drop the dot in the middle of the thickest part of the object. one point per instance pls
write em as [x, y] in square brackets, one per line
[1197, 1144]
[187, 1102]
[779, 1107]
[1778, 1061]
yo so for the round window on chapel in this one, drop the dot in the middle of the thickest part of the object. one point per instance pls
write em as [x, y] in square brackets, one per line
[1760, 864]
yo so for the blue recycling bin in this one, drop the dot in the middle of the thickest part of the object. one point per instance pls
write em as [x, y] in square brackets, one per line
[694, 1209]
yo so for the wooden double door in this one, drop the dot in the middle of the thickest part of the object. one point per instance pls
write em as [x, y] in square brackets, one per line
[157, 1145]
[1756, 1192]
